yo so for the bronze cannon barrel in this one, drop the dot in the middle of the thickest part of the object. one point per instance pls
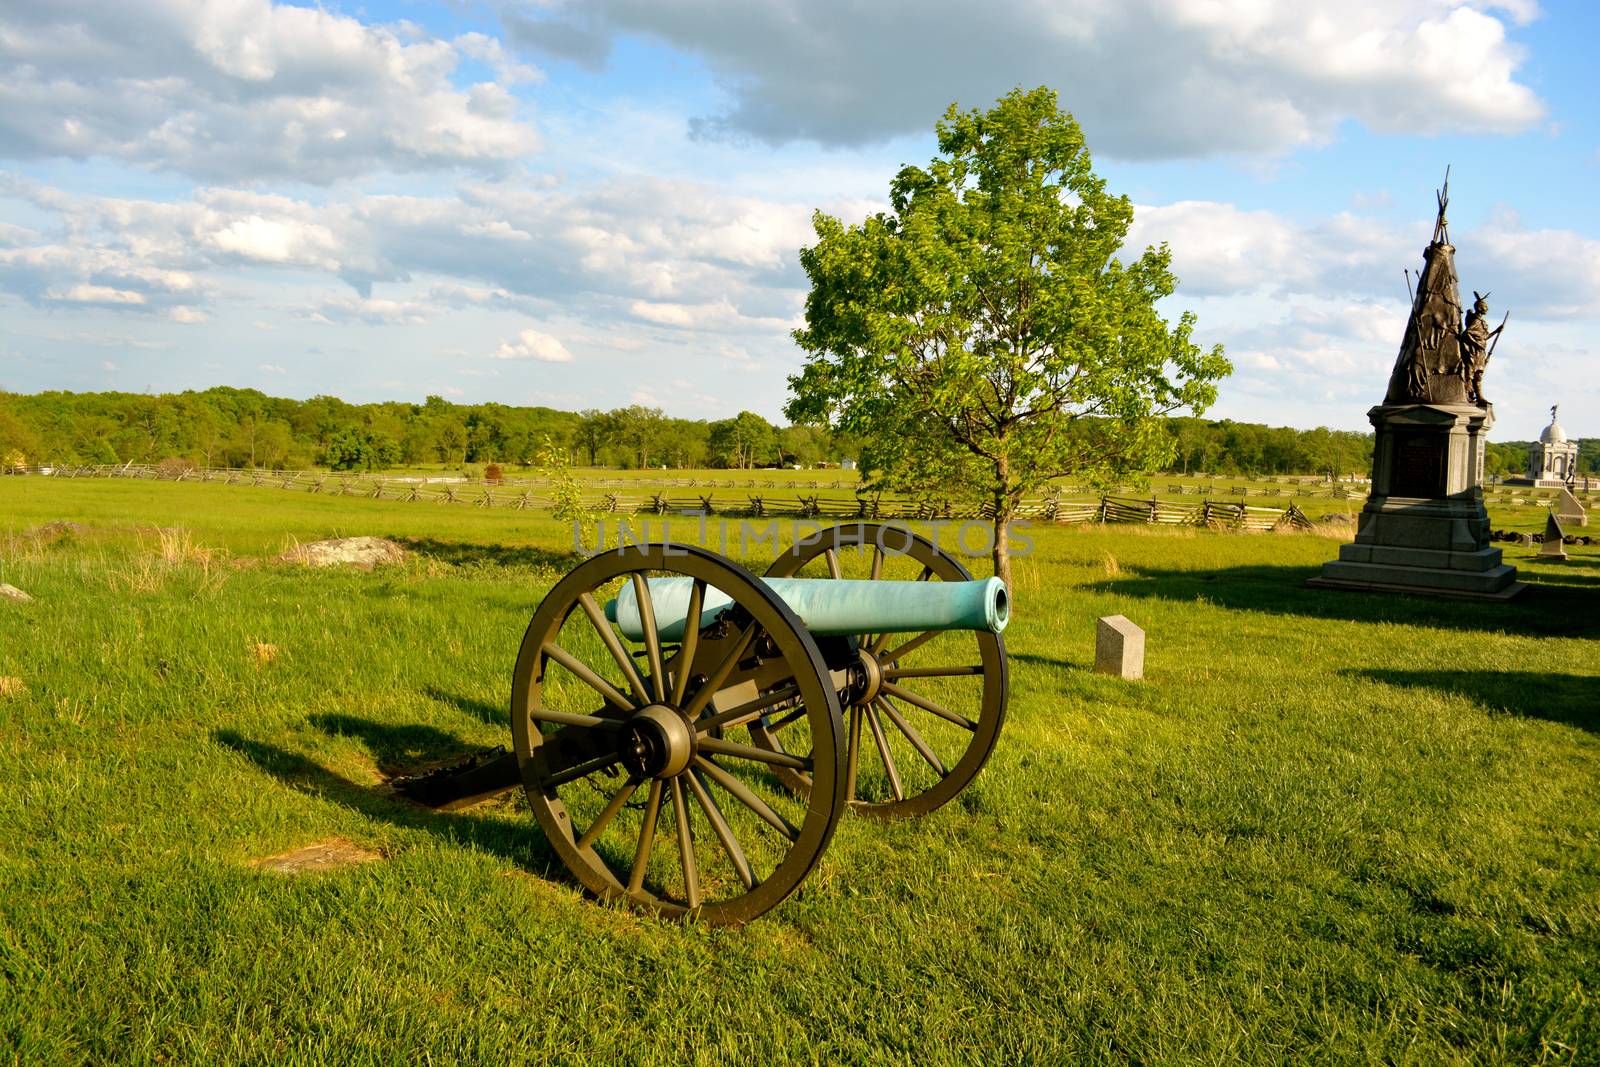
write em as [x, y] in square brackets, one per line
[833, 606]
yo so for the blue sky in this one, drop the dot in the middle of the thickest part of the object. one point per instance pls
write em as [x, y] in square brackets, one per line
[598, 203]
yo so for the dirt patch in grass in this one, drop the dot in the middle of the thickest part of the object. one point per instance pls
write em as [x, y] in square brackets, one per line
[323, 856]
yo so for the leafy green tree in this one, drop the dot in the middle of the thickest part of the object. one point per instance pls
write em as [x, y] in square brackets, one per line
[803, 445]
[19, 445]
[566, 493]
[743, 441]
[982, 336]
[638, 428]
[594, 428]
[354, 449]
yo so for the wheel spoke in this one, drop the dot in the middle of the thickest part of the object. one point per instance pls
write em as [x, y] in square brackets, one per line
[788, 717]
[910, 646]
[748, 710]
[853, 760]
[647, 836]
[719, 826]
[916, 739]
[742, 793]
[614, 646]
[680, 812]
[652, 640]
[691, 641]
[703, 695]
[883, 750]
[628, 789]
[932, 672]
[721, 747]
[568, 718]
[877, 563]
[832, 557]
[593, 680]
[927, 705]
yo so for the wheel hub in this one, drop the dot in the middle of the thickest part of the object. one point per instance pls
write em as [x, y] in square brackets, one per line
[866, 678]
[657, 742]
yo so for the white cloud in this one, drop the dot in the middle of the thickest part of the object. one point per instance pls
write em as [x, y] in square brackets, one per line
[1551, 273]
[350, 307]
[1147, 78]
[531, 344]
[270, 368]
[94, 294]
[246, 90]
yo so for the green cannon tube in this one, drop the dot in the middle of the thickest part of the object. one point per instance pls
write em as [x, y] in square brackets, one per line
[831, 606]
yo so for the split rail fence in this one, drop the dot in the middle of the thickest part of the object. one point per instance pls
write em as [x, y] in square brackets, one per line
[1053, 506]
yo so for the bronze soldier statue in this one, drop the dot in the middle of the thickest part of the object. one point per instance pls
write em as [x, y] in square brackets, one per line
[1476, 347]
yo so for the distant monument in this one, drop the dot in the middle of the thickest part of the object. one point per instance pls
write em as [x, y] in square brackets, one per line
[1424, 528]
[1553, 461]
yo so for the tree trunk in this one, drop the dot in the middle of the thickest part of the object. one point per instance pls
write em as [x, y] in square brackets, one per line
[1002, 548]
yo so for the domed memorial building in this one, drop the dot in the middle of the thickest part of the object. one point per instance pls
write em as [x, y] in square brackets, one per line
[1554, 460]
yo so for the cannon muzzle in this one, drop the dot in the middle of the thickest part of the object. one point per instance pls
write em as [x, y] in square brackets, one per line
[832, 607]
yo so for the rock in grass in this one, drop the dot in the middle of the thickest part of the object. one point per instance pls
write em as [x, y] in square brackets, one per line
[363, 552]
[11, 592]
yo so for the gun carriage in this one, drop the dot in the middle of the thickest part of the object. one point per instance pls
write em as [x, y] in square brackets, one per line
[689, 735]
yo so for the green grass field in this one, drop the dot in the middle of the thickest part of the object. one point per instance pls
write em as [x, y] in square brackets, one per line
[1326, 826]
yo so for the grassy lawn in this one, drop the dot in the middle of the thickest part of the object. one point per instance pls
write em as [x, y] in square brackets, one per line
[1326, 826]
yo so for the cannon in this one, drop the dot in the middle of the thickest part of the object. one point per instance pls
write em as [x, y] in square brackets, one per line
[689, 735]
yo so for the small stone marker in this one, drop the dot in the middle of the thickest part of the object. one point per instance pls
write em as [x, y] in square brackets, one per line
[1552, 547]
[1118, 647]
[11, 592]
[1525, 540]
[1568, 511]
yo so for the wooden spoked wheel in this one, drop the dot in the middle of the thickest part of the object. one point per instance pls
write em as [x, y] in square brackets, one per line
[635, 753]
[924, 710]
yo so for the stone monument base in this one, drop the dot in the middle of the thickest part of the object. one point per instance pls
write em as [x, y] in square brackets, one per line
[1424, 529]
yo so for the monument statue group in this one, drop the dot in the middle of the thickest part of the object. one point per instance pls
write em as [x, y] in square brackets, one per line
[1424, 528]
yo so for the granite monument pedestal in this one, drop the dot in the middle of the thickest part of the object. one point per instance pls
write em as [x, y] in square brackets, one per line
[1424, 529]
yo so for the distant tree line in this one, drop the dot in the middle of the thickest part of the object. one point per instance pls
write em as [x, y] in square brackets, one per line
[225, 427]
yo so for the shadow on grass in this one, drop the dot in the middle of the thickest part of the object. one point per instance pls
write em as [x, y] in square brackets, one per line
[482, 710]
[395, 749]
[458, 553]
[518, 841]
[1042, 661]
[1549, 607]
[1565, 698]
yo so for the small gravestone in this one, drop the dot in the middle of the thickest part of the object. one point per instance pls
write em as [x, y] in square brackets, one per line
[1119, 648]
[1525, 540]
[1552, 547]
[1568, 511]
[11, 592]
